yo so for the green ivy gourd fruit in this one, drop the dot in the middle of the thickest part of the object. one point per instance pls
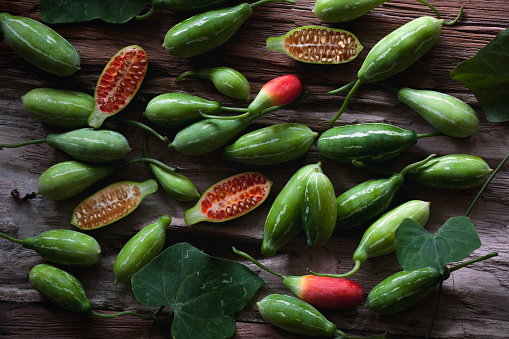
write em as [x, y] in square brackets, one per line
[61, 288]
[176, 185]
[284, 220]
[371, 198]
[176, 109]
[368, 142]
[40, 45]
[59, 107]
[336, 11]
[298, 316]
[226, 80]
[140, 249]
[118, 83]
[85, 144]
[63, 247]
[230, 198]
[111, 203]
[182, 5]
[319, 208]
[317, 45]
[208, 30]
[444, 112]
[273, 144]
[454, 171]
[394, 53]
[403, 290]
[378, 239]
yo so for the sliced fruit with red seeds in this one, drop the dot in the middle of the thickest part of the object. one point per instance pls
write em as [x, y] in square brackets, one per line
[230, 198]
[118, 84]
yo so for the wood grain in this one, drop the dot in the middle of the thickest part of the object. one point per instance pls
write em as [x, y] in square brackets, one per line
[474, 299]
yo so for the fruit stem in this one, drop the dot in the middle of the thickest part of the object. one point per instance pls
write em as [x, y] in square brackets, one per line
[473, 261]
[25, 143]
[119, 314]
[146, 15]
[261, 2]
[415, 165]
[344, 275]
[150, 160]
[183, 75]
[455, 20]
[254, 261]
[142, 126]
[486, 184]
[431, 134]
[11, 238]
[342, 89]
[356, 86]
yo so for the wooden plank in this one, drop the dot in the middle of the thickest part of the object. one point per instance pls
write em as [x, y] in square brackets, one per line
[474, 298]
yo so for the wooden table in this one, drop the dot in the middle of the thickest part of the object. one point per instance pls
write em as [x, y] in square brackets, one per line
[474, 300]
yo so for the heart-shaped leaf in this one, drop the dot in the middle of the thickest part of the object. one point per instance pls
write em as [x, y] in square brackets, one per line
[417, 248]
[206, 293]
[487, 75]
[111, 11]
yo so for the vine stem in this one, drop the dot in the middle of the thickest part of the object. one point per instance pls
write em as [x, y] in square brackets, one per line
[261, 2]
[486, 184]
[142, 126]
[123, 313]
[5, 236]
[150, 160]
[349, 96]
[254, 261]
[25, 143]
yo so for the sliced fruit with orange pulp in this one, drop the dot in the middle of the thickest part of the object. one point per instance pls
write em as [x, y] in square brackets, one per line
[118, 84]
[230, 198]
[111, 203]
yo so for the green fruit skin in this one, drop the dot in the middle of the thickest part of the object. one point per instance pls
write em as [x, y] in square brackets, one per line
[366, 200]
[207, 135]
[65, 247]
[187, 5]
[176, 185]
[369, 142]
[68, 178]
[279, 44]
[205, 31]
[59, 107]
[140, 249]
[61, 288]
[335, 11]
[378, 239]
[295, 315]
[444, 112]
[319, 209]
[284, 220]
[228, 81]
[270, 145]
[402, 290]
[145, 188]
[454, 171]
[40, 45]
[177, 109]
[89, 144]
[400, 49]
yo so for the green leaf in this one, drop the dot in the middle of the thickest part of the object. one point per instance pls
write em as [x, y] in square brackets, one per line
[206, 293]
[111, 11]
[417, 248]
[487, 75]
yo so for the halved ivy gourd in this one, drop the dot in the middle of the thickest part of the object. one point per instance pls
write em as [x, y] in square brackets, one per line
[317, 45]
[118, 83]
[111, 203]
[230, 198]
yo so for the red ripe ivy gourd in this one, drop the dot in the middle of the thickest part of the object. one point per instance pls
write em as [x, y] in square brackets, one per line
[277, 92]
